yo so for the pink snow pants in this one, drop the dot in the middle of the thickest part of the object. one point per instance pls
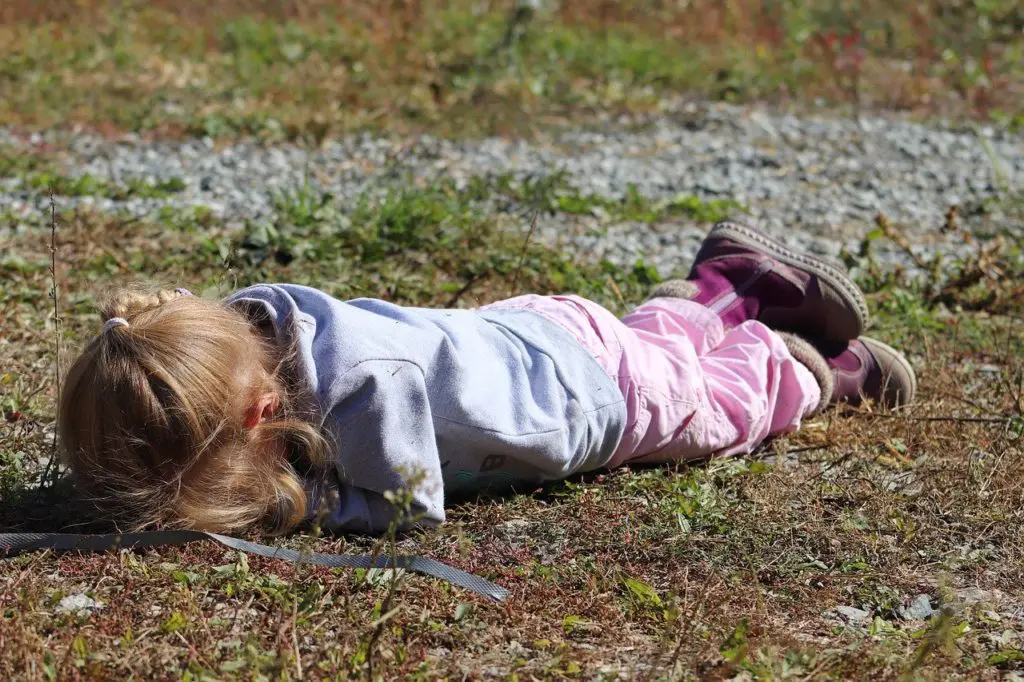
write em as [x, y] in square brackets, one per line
[692, 388]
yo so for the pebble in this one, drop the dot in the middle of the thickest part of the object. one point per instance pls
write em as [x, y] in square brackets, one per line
[977, 595]
[817, 182]
[78, 603]
[852, 614]
[920, 608]
[514, 529]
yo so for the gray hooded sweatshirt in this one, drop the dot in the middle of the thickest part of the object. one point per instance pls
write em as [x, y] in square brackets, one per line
[462, 399]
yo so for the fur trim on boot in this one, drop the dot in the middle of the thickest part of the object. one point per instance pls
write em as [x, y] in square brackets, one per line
[675, 288]
[808, 356]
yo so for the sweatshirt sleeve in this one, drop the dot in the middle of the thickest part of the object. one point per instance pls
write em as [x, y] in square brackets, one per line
[384, 434]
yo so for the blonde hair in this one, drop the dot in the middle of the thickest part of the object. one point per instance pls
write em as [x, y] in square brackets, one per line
[153, 418]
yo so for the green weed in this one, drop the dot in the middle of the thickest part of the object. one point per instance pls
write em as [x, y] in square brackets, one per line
[276, 71]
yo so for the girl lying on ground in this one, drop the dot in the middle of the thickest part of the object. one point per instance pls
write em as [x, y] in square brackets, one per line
[254, 410]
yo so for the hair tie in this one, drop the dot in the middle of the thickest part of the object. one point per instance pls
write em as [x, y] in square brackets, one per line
[114, 322]
[183, 291]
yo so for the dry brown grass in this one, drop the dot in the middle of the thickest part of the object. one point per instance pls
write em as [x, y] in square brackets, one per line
[864, 521]
[726, 568]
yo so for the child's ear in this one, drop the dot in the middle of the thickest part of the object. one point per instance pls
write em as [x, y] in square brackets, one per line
[262, 409]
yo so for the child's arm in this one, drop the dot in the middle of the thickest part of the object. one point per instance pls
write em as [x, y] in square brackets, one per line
[385, 442]
[356, 510]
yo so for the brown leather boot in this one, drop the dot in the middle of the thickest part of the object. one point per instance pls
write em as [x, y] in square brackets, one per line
[854, 370]
[742, 274]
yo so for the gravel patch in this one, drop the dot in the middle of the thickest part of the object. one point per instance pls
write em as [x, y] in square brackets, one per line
[815, 183]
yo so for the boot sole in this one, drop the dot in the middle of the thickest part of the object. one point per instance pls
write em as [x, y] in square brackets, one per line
[832, 275]
[898, 369]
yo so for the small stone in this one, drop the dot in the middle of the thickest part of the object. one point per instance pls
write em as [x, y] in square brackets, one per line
[78, 603]
[514, 648]
[918, 609]
[514, 531]
[852, 614]
[974, 595]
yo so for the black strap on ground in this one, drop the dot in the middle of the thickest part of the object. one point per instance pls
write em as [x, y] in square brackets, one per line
[12, 544]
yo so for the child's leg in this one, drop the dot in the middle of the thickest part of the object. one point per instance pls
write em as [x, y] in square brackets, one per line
[700, 390]
[691, 389]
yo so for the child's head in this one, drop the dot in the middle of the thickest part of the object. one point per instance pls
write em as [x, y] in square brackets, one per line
[176, 415]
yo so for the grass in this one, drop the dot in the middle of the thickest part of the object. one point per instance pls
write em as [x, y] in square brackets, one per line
[39, 173]
[555, 194]
[274, 69]
[724, 569]
[88, 185]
